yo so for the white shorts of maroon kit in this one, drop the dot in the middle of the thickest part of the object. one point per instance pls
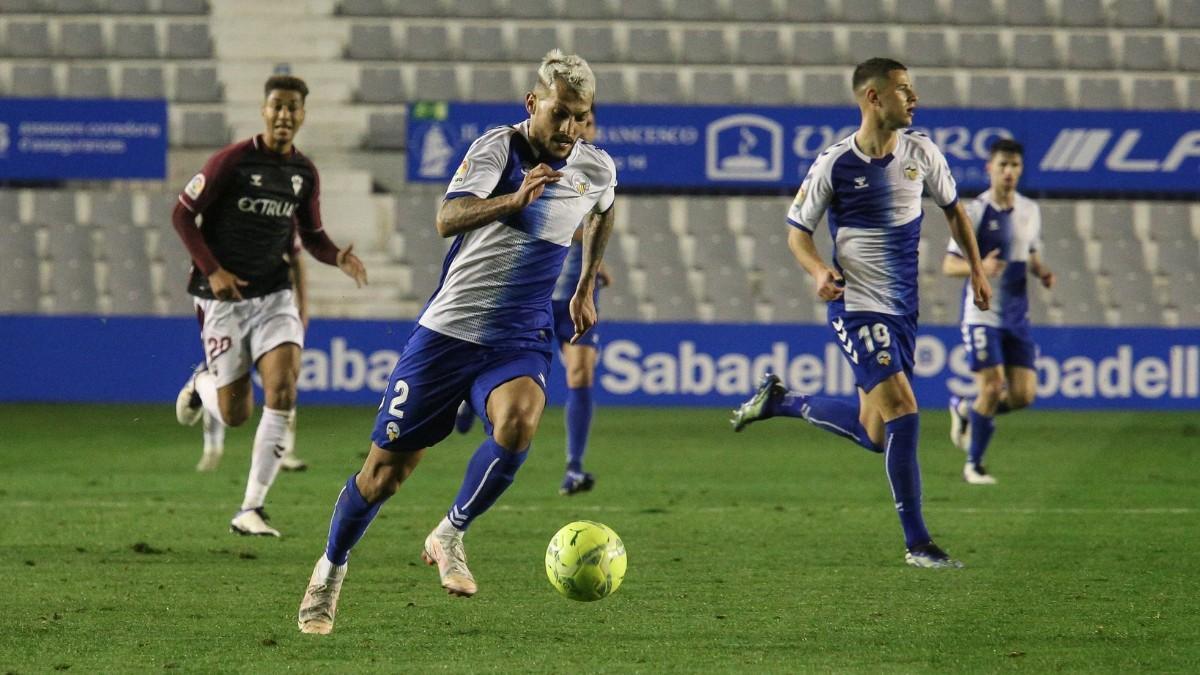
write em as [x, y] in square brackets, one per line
[236, 333]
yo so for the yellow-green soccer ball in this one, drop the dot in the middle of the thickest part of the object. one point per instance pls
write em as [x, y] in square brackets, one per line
[585, 561]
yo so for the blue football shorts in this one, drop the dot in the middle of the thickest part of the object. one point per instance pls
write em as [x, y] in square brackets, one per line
[876, 345]
[989, 346]
[564, 328]
[434, 374]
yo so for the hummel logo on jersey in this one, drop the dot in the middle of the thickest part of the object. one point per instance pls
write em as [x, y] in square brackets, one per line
[993, 225]
[860, 182]
[542, 377]
[297, 183]
[279, 451]
[256, 179]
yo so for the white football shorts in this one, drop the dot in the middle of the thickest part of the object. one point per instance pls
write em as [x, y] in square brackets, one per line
[236, 333]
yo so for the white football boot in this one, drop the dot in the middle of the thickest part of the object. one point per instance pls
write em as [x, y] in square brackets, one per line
[319, 605]
[252, 522]
[975, 474]
[444, 547]
[960, 424]
[211, 458]
[188, 407]
[930, 556]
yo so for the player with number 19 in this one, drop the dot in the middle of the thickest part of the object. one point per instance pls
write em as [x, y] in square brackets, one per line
[870, 185]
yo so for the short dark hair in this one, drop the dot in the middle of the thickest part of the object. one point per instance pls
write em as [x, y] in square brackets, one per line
[872, 69]
[1006, 145]
[285, 83]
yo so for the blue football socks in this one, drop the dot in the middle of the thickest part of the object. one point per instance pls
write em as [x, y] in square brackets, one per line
[351, 517]
[489, 473]
[982, 427]
[904, 474]
[579, 425]
[834, 415]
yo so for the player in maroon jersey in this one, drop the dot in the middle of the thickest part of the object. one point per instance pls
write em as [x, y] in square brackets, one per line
[253, 198]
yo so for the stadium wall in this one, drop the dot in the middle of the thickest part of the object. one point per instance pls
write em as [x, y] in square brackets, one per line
[113, 359]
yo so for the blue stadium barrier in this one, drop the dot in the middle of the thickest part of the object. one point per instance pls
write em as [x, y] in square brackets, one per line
[762, 148]
[95, 359]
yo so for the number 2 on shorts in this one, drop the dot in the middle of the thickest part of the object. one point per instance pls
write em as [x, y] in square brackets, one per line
[400, 389]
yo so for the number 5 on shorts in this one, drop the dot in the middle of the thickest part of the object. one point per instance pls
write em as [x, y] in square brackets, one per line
[400, 389]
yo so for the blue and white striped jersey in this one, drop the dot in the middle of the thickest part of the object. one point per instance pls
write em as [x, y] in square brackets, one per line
[874, 208]
[497, 280]
[1016, 232]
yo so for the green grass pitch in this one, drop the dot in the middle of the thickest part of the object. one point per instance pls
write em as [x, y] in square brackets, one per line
[775, 550]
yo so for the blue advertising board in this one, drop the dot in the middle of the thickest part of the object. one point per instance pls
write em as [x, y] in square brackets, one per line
[97, 359]
[57, 139]
[772, 148]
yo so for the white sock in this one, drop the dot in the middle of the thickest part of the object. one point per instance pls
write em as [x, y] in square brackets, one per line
[268, 450]
[447, 528]
[206, 386]
[214, 434]
[289, 439]
[328, 571]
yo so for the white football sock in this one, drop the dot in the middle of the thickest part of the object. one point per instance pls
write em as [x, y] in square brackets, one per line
[328, 571]
[206, 387]
[214, 434]
[289, 439]
[268, 450]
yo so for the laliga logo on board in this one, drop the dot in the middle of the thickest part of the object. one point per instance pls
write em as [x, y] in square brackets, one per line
[744, 147]
[436, 153]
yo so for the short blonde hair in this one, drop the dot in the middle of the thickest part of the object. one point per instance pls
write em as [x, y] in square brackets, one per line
[571, 69]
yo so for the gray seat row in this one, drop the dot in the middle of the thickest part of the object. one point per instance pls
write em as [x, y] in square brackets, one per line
[32, 38]
[192, 84]
[139, 7]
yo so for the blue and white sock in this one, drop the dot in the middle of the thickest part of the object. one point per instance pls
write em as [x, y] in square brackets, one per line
[489, 473]
[352, 514]
[904, 474]
[837, 416]
[579, 425]
[982, 427]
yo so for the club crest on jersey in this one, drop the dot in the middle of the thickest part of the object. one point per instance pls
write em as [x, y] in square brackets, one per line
[297, 183]
[910, 171]
[256, 179]
[884, 359]
[993, 224]
[860, 182]
[393, 431]
[195, 186]
[581, 184]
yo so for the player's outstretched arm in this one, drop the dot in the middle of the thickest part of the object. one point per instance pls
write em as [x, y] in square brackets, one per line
[964, 235]
[596, 231]
[954, 265]
[467, 213]
[828, 280]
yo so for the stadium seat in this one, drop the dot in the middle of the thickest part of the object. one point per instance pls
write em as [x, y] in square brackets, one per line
[380, 85]
[371, 42]
[588, 10]
[32, 81]
[492, 83]
[142, 82]
[188, 41]
[1100, 93]
[610, 85]
[1026, 13]
[386, 131]
[938, 90]
[1144, 52]
[596, 43]
[920, 12]
[197, 85]
[878, 41]
[184, 6]
[175, 264]
[54, 207]
[1046, 92]
[128, 271]
[769, 88]
[1183, 13]
[704, 45]
[649, 45]
[759, 46]
[657, 86]
[1193, 97]
[1170, 221]
[111, 209]
[88, 82]
[814, 47]
[533, 42]
[616, 302]
[483, 43]
[1156, 93]
[699, 10]
[1118, 256]
[1112, 220]
[25, 6]
[754, 11]
[925, 48]
[435, 83]
[827, 89]
[643, 9]
[1134, 13]
[19, 290]
[532, 9]
[28, 39]
[973, 13]
[990, 91]
[1189, 53]
[424, 43]
[980, 49]
[10, 208]
[806, 11]
[204, 129]
[717, 87]
[1034, 50]
[864, 11]
[73, 280]
[729, 292]
[81, 40]
[75, 6]
[1083, 13]
[159, 207]
[135, 41]
[363, 8]
[129, 6]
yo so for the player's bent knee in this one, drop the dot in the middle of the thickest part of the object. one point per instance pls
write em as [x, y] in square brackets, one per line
[236, 413]
[514, 428]
[1021, 399]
